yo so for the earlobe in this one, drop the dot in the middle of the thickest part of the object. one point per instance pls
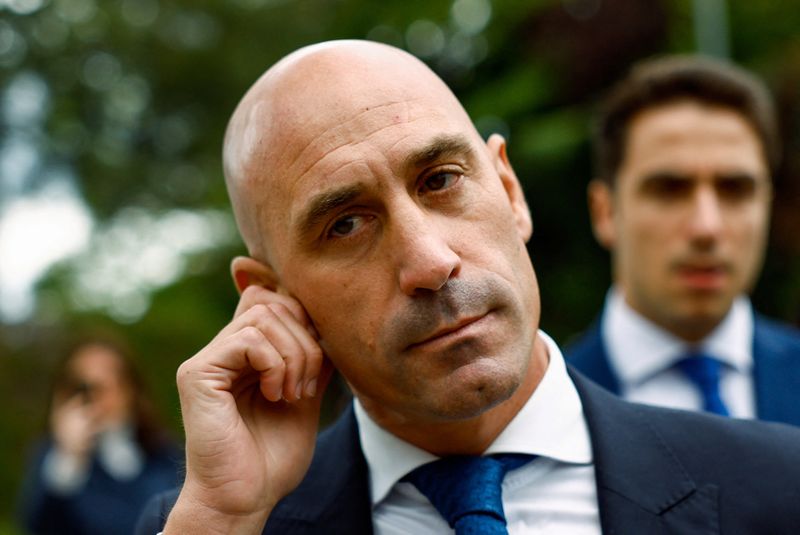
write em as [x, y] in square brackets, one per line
[601, 212]
[522, 214]
[247, 271]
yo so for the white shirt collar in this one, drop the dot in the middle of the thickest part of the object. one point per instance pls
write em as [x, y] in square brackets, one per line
[638, 348]
[550, 424]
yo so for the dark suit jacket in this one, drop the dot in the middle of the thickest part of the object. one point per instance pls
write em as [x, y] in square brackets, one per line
[776, 367]
[658, 471]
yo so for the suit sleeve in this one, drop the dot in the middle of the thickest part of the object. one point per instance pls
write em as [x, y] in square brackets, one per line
[155, 513]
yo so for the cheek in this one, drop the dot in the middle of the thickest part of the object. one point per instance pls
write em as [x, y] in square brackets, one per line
[651, 231]
[344, 313]
[751, 241]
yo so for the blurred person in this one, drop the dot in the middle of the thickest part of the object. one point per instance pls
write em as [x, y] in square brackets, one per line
[387, 238]
[685, 150]
[105, 454]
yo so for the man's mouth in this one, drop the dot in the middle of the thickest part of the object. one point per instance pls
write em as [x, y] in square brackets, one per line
[449, 334]
[703, 277]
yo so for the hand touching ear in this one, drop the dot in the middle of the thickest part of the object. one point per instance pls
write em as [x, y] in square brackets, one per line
[250, 402]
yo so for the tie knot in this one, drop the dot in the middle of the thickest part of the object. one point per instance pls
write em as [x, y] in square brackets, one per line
[467, 490]
[701, 368]
[705, 372]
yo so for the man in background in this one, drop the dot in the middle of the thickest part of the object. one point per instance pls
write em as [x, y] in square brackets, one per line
[685, 150]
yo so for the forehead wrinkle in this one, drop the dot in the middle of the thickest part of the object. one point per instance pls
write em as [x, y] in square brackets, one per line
[441, 146]
[328, 139]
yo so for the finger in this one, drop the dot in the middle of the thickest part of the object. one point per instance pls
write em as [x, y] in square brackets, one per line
[308, 379]
[259, 354]
[254, 296]
[313, 404]
[258, 295]
[271, 368]
[226, 360]
[279, 326]
[280, 330]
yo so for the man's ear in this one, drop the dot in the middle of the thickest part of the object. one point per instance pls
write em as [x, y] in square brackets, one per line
[522, 214]
[601, 212]
[247, 271]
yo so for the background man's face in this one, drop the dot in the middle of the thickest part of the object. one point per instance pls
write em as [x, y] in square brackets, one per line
[398, 236]
[690, 214]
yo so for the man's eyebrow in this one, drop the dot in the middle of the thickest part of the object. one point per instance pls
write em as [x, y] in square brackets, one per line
[323, 204]
[655, 176]
[439, 147]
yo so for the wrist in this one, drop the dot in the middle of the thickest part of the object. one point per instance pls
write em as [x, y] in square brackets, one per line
[193, 515]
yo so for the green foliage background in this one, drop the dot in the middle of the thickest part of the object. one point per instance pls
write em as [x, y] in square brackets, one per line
[145, 133]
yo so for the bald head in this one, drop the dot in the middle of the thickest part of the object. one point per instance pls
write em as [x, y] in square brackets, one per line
[291, 116]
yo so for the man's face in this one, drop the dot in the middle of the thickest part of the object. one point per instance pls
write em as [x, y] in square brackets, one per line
[403, 236]
[687, 222]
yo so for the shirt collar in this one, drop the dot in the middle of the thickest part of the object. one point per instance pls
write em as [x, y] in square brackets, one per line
[638, 348]
[550, 424]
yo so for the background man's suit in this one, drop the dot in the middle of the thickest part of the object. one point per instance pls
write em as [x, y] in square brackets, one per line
[658, 471]
[776, 367]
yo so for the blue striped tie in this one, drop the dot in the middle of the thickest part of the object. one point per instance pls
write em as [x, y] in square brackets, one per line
[704, 371]
[467, 490]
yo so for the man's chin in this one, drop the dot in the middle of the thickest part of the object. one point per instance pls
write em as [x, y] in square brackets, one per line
[471, 391]
[700, 317]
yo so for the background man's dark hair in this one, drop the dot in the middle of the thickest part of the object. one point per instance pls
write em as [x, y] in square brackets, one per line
[668, 79]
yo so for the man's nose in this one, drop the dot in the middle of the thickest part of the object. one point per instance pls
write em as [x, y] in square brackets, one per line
[424, 257]
[706, 218]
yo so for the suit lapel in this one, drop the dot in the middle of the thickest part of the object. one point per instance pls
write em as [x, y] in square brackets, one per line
[776, 373]
[642, 486]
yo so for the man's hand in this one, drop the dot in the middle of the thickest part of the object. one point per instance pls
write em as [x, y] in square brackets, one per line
[250, 402]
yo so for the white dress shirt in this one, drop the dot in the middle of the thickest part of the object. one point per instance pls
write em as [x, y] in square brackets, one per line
[554, 494]
[643, 356]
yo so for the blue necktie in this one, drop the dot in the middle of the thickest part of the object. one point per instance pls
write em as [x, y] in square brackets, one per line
[467, 490]
[704, 372]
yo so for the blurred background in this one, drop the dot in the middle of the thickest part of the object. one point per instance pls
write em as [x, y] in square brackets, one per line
[113, 211]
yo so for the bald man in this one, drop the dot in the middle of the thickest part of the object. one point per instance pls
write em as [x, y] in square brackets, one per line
[387, 239]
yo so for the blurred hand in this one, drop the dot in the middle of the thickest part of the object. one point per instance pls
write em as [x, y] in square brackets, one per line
[75, 426]
[250, 402]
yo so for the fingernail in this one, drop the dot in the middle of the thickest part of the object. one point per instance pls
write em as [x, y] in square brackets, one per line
[311, 388]
[298, 391]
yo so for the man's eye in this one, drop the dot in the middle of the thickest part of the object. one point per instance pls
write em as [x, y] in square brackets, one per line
[345, 226]
[439, 181]
[667, 187]
[736, 187]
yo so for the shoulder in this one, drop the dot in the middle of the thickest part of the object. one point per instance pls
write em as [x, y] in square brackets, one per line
[585, 350]
[701, 434]
[588, 355]
[588, 341]
[774, 332]
[713, 440]
[740, 456]
[658, 458]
